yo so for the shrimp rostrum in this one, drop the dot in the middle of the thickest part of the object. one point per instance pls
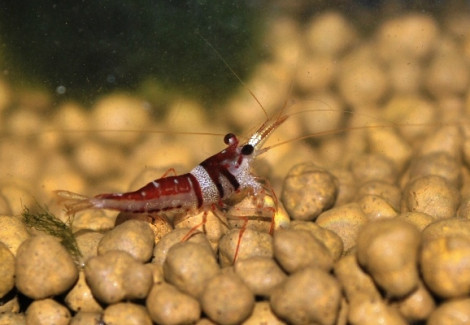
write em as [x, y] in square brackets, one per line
[205, 188]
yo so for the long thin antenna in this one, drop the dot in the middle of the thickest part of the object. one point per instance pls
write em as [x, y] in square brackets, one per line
[233, 71]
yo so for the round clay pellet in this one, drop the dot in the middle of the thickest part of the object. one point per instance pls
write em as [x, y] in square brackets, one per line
[308, 296]
[446, 139]
[134, 236]
[87, 242]
[317, 73]
[308, 191]
[296, 249]
[442, 261]
[419, 219]
[441, 68]
[263, 314]
[226, 299]
[189, 266]
[463, 211]
[373, 167]
[405, 75]
[376, 207]
[84, 318]
[97, 159]
[44, 268]
[437, 163]
[364, 310]
[116, 275]
[346, 185]
[417, 306]
[238, 245]
[168, 305]
[174, 237]
[332, 241]
[260, 274]
[354, 280]
[432, 195]
[12, 232]
[126, 313]
[388, 250]
[345, 221]
[80, 297]
[391, 193]
[447, 228]
[47, 311]
[7, 271]
[451, 312]
[10, 318]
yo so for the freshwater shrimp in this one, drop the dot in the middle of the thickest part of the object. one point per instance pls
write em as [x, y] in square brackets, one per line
[205, 188]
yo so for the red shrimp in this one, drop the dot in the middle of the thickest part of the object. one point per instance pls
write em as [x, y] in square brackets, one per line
[203, 189]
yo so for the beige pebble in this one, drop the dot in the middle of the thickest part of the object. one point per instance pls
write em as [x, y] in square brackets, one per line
[453, 312]
[330, 33]
[354, 280]
[417, 306]
[345, 221]
[189, 266]
[10, 304]
[126, 313]
[405, 75]
[317, 73]
[96, 220]
[371, 311]
[332, 241]
[260, 274]
[18, 193]
[432, 195]
[72, 120]
[251, 243]
[120, 112]
[116, 275]
[388, 250]
[321, 112]
[413, 35]
[373, 167]
[10, 318]
[442, 261]
[44, 268]
[87, 242]
[7, 271]
[389, 192]
[446, 139]
[226, 299]
[168, 305]
[20, 159]
[161, 249]
[418, 219]
[447, 228]
[362, 80]
[80, 297]
[47, 311]
[96, 159]
[84, 318]
[296, 249]
[134, 237]
[263, 314]
[346, 186]
[464, 209]
[318, 302]
[308, 191]
[447, 74]
[437, 163]
[376, 207]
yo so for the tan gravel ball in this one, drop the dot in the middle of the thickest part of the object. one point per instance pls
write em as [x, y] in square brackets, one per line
[309, 296]
[44, 268]
[126, 313]
[417, 306]
[308, 191]
[11, 318]
[168, 305]
[251, 243]
[47, 311]
[376, 207]
[7, 270]
[373, 167]
[453, 312]
[447, 75]
[83, 318]
[296, 249]
[388, 250]
[372, 311]
[263, 315]
[189, 266]
[134, 237]
[260, 274]
[12, 232]
[447, 228]
[116, 275]
[345, 221]
[80, 297]
[332, 241]
[391, 193]
[437, 163]
[87, 242]
[432, 195]
[445, 263]
[227, 300]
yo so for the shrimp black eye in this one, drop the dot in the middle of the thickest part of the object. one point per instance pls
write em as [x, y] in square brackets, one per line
[228, 137]
[247, 149]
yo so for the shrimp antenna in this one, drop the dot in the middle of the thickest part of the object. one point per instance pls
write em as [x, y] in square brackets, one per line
[232, 71]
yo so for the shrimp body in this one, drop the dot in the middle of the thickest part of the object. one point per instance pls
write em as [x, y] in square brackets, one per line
[204, 188]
